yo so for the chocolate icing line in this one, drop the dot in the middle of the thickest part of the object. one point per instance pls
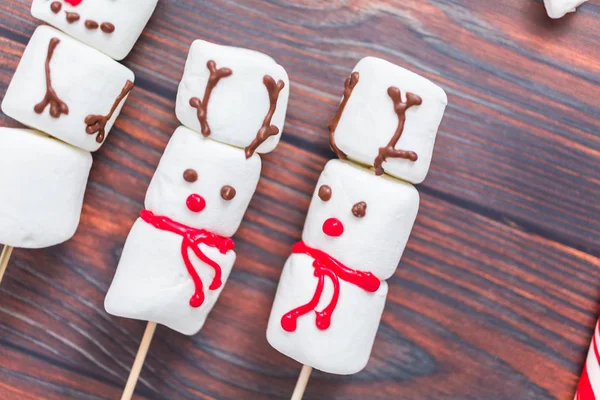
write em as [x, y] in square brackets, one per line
[57, 106]
[349, 86]
[71, 17]
[267, 130]
[400, 109]
[202, 105]
[97, 123]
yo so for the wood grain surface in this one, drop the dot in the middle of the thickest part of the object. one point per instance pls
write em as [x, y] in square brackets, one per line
[497, 293]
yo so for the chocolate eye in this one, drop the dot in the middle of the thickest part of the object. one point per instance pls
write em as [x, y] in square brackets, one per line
[227, 192]
[325, 193]
[190, 175]
[359, 209]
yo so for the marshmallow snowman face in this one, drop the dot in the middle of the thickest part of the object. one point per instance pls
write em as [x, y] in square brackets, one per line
[559, 8]
[67, 89]
[111, 26]
[390, 107]
[246, 92]
[203, 184]
[361, 219]
[43, 184]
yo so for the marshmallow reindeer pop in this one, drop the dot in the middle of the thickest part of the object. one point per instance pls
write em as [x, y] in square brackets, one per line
[332, 290]
[179, 253]
[71, 94]
[560, 8]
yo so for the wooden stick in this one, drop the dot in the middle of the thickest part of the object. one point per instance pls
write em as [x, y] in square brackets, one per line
[302, 382]
[4, 257]
[134, 375]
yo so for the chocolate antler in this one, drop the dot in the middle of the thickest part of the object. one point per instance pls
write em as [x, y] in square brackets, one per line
[202, 105]
[349, 86]
[400, 108]
[57, 106]
[97, 123]
[267, 130]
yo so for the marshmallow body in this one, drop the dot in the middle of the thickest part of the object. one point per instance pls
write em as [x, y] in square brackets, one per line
[62, 86]
[375, 242]
[238, 104]
[152, 282]
[216, 165]
[559, 8]
[110, 26]
[200, 184]
[369, 121]
[43, 184]
[363, 222]
[344, 348]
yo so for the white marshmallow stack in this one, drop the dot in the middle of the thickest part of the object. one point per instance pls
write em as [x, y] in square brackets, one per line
[559, 8]
[332, 290]
[73, 93]
[203, 185]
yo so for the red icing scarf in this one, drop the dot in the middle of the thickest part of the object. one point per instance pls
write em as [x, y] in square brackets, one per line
[325, 265]
[192, 238]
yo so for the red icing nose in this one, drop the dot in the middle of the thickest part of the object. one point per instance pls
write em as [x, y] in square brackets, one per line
[73, 2]
[195, 203]
[333, 227]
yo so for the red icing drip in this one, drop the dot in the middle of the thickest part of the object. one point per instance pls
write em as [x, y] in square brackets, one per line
[73, 2]
[325, 265]
[192, 238]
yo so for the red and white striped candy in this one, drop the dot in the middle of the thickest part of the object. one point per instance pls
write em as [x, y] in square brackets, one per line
[589, 385]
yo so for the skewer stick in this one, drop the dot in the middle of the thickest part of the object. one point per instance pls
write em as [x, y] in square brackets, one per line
[302, 382]
[134, 375]
[4, 258]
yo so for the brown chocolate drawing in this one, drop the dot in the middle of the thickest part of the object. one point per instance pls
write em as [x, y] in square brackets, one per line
[57, 106]
[107, 27]
[97, 123]
[72, 17]
[202, 105]
[228, 192]
[267, 130]
[359, 210]
[56, 6]
[91, 24]
[400, 108]
[349, 86]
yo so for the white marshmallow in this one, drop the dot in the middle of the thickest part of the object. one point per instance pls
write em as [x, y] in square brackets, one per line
[87, 81]
[217, 165]
[238, 103]
[152, 282]
[374, 243]
[43, 184]
[344, 348]
[369, 121]
[559, 8]
[128, 18]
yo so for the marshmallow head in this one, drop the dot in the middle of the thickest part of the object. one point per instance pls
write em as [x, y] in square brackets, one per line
[67, 89]
[203, 184]
[43, 183]
[345, 346]
[391, 108]
[152, 282]
[361, 219]
[559, 8]
[111, 26]
[236, 96]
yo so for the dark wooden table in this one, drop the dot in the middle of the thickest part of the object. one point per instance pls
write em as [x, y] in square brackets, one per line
[496, 296]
